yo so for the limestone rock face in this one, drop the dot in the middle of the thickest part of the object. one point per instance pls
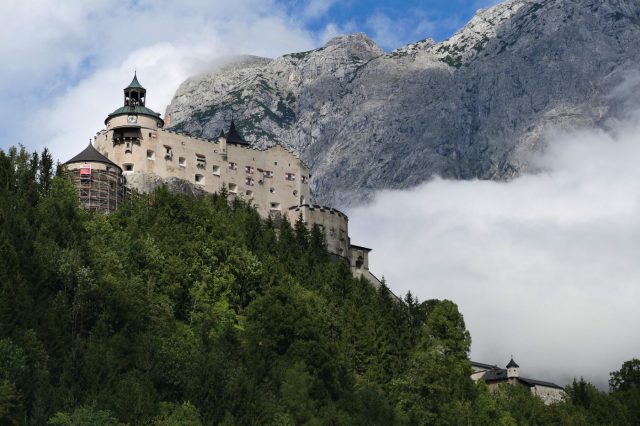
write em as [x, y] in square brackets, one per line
[145, 182]
[473, 106]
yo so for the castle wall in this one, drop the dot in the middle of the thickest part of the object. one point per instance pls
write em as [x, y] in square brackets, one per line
[273, 179]
[332, 222]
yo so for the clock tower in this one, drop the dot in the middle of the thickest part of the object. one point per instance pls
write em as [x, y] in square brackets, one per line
[131, 131]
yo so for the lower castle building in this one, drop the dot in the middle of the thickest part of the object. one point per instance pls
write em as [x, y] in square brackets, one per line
[134, 142]
[495, 376]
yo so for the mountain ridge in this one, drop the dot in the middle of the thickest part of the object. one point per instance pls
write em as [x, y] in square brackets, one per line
[474, 106]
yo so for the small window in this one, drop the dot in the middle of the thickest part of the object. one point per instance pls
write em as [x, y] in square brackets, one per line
[127, 147]
[151, 155]
[233, 166]
[168, 152]
[248, 169]
[268, 174]
[248, 181]
[128, 167]
[201, 162]
[295, 192]
[216, 170]
[275, 206]
[200, 179]
[249, 193]
[304, 179]
[272, 190]
[275, 163]
[233, 188]
[182, 162]
[290, 176]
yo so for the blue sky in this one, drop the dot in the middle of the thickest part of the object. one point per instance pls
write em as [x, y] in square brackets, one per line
[390, 23]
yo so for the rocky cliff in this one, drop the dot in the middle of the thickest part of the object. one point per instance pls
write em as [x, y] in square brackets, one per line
[473, 106]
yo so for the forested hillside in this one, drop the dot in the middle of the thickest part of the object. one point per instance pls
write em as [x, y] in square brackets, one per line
[185, 311]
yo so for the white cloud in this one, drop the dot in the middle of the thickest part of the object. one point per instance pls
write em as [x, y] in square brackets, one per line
[317, 8]
[545, 267]
[65, 64]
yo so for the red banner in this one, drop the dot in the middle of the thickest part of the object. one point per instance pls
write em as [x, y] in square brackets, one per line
[85, 170]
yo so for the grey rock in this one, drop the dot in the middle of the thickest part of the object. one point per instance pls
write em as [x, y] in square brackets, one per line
[474, 106]
[145, 182]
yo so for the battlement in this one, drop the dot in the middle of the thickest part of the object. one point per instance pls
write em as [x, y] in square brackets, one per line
[313, 207]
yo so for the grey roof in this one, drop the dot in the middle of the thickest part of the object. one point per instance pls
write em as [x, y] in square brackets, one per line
[234, 137]
[137, 109]
[135, 84]
[90, 154]
[482, 365]
[533, 382]
[512, 364]
[495, 375]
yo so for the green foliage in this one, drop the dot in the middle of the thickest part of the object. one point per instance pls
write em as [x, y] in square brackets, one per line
[184, 311]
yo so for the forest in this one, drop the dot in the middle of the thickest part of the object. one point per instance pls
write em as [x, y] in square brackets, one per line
[177, 310]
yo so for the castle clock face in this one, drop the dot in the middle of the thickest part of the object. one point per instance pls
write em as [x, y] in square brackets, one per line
[132, 119]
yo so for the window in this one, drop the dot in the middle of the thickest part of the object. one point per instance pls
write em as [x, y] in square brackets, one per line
[168, 152]
[272, 190]
[182, 162]
[128, 167]
[216, 170]
[249, 193]
[201, 161]
[233, 166]
[290, 176]
[275, 163]
[304, 179]
[295, 192]
[248, 181]
[151, 155]
[200, 179]
[233, 188]
[127, 147]
[268, 174]
[248, 169]
[275, 206]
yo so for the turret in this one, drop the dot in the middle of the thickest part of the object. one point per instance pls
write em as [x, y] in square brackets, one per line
[134, 93]
[134, 112]
[513, 369]
[97, 179]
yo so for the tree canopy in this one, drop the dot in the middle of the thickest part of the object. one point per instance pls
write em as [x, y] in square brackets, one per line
[187, 311]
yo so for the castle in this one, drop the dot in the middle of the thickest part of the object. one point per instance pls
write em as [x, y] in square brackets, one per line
[495, 376]
[135, 142]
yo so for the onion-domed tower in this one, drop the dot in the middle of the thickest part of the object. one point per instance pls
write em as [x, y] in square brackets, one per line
[131, 131]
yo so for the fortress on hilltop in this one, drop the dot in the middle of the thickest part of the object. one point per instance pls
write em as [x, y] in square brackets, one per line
[134, 143]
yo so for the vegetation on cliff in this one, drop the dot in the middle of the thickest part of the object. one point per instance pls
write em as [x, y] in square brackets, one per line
[185, 311]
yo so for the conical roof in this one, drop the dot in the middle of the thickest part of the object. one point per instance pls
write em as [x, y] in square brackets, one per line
[512, 364]
[135, 84]
[90, 154]
[234, 137]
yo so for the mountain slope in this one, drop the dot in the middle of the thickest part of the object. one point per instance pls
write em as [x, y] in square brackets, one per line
[473, 106]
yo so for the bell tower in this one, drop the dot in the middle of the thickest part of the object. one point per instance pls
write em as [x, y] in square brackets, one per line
[134, 93]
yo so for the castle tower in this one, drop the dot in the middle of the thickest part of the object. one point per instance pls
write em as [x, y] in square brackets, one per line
[98, 180]
[131, 131]
[513, 369]
[134, 93]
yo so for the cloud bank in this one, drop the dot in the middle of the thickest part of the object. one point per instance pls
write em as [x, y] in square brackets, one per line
[546, 267]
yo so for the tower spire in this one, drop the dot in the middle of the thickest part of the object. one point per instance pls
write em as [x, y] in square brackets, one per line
[134, 93]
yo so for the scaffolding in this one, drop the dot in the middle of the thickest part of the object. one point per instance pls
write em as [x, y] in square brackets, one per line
[101, 190]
